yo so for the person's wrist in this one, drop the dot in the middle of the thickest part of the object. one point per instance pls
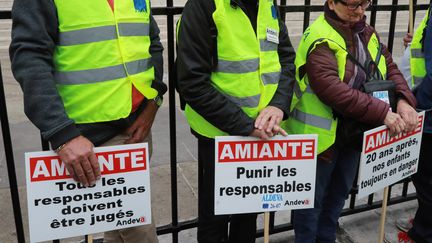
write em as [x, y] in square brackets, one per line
[60, 148]
[158, 100]
[63, 136]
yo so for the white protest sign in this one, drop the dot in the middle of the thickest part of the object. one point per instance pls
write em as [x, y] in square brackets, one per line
[59, 207]
[253, 175]
[386, 160]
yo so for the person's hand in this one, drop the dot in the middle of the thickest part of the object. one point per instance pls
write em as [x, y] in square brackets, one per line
[407, 39]
[277, 129]
[80, 160]
[394, 122]
[142, 125]
[269, 119]
[408, 114]
[259, 133]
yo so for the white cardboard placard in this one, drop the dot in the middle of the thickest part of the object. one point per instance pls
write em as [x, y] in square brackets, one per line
[59, 207]
[253, 175]
[386, 160]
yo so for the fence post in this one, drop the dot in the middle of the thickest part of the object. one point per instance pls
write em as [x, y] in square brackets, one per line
[392, 25]
[172, 121]
[306, 15]
[283, 13]
[10, 163]
[373, 13]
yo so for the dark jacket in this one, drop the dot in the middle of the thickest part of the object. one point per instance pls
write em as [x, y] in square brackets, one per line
[194, 64]
[424, 91]
[34, 37]
[322, 70]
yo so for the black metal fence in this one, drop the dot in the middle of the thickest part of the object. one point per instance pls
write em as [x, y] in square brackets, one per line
[170, 11]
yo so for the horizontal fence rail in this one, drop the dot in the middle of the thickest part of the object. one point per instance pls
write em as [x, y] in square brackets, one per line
[170, 11]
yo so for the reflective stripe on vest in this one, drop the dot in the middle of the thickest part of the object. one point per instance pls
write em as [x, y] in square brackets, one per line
[244, 66]
[266, 45]
[248, 69]
[102, 33]
[417, 53]
[247, 66]
[417, 61]
[99, 56]
[102, 74]
[250, 102]
[308, 114]
[313, 120]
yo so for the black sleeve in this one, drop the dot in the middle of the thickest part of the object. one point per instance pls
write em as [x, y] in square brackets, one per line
[284, 92]
[34, 34]
[194, 65]
[156, 50]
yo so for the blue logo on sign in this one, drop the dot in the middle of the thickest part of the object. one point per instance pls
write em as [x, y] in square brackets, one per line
[272, 198]
[265, 205]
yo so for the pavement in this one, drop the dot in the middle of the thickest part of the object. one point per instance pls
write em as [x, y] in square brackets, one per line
[359, 228]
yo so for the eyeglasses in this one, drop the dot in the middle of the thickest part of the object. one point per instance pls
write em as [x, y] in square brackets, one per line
[363, 5]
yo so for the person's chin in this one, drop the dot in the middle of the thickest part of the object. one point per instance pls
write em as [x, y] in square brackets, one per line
[354, 20]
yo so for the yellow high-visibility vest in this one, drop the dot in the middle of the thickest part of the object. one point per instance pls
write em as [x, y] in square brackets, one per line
[308, 114]
[100, 54]
[417, 61]
[248, 69]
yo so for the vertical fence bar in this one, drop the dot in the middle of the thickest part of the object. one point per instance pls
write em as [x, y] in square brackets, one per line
[405, 188]
[414, 12]
[172, 118]
[272, 219]
[306, 15]
[389, 192]
[45, 144]
[7, 142]
[354, 190]
[352, 201]
[282, 12]
[45, 147]
[373, 13]
[392, 25]
[370, 199]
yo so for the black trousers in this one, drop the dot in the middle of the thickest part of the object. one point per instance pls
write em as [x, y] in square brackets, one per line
[421, 232]
[214, 228]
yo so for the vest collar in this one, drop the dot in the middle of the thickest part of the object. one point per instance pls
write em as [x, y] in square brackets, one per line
[239, 3]
[233, 3]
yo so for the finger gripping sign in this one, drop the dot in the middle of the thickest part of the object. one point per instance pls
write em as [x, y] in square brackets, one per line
[253, 175]
[386, 160]
[60, 207]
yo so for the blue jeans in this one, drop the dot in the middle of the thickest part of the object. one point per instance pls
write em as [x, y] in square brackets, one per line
[333, 183]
